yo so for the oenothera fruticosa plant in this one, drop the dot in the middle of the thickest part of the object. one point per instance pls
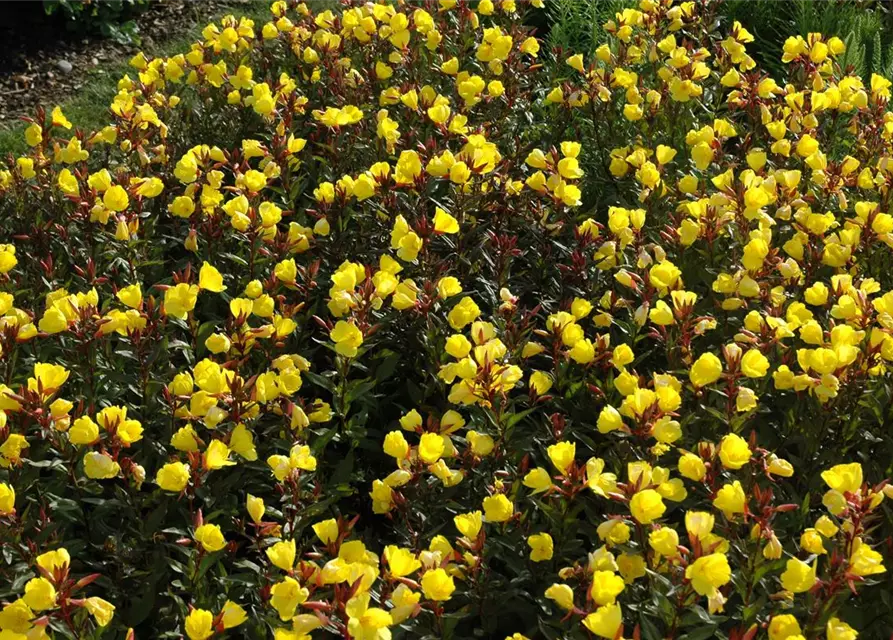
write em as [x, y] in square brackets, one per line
[386, 322]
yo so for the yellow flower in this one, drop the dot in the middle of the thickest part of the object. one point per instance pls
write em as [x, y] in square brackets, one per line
[845, 478]
[538, 479]
[605, 622]
[708, 573]
[540, 547]
[865, 561]
[84, 431]
[826, 527]
[562, 595]
[199, 624]
[210, 279]
[232, 615]
[7, 499]
[33, 135]
[217, 343]
[469, 524]
[798, 576]
[411, 421]
[210, 537]
[365, 622]
[817, 294]
[254, 180]
[11, 449]
[609, 419]
[180, 299]
[692, 467]
[783, 626]
[664, 541]
[347, 338]
[16, 617]
[255, 507]
[26, 167]
[606, 586]
[401, 562]
[326, 531]
[597, 480]
[463, 314]
[734, 451]
[540, 382]
[396, 446]
[835, 502]
[730, 499]
[173, 476]
[404, 601]
[530, 46]
[40, 594]
[408, 168]
[614, 531]
[575, 62]
[115, 198]
[498, 508]
[286, 595]
[664, 275]
[562, 455]
[661, 314]
[706, 370]
[439, 113]
[437, 585]
[217, 456]
[444, 222]
[48, 378]
[100, 466]
[101, 610]
[448, 287]
[754, 364]
[745, 400]
[68, 183]
[646, 506]
[481, 444]
[460, 173]
[132, 296]
[53, 321]
[431, 447]
[780, 467]
[837, 629]
[150, 187]
[282, 554]
[631, 566]
[184, 439]
[182, 206]
[812, 541]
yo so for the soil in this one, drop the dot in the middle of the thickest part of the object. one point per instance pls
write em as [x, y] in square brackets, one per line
[42, 62]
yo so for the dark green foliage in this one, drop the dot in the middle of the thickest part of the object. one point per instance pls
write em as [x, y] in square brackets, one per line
[866, 26]
[110, 19]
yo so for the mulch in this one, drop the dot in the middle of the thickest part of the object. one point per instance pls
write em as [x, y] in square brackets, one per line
[43, 63]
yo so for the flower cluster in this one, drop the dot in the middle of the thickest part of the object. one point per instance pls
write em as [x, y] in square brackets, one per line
[387, 322]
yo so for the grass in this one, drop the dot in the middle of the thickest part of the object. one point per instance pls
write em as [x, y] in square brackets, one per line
[88, 108]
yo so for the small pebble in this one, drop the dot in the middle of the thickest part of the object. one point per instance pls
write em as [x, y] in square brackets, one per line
[64, 66]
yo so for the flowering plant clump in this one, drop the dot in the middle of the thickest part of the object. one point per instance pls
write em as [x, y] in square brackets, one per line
[387, 322]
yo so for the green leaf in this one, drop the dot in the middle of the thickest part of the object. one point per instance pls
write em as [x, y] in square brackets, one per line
[702, 633]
